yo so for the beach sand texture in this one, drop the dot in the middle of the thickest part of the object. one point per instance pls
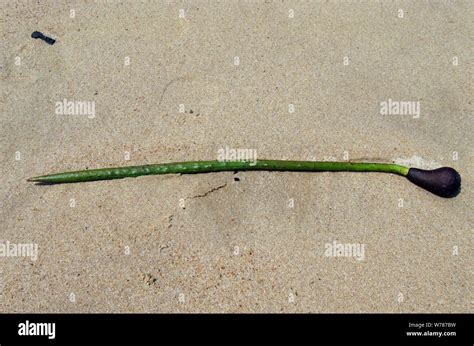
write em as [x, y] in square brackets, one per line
[293, 80]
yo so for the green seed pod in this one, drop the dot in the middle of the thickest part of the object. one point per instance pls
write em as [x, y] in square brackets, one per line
[444, 182]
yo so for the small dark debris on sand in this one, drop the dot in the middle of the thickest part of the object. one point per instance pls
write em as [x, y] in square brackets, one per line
[48, 40]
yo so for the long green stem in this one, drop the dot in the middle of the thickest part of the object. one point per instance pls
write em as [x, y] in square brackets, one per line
[219, 166]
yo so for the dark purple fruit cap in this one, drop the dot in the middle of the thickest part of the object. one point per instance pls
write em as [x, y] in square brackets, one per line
[444, 181]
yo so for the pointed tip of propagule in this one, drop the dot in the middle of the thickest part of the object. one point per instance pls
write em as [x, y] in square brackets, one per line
[36, 179]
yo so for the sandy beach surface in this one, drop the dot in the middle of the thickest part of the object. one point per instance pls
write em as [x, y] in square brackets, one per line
[168, 81]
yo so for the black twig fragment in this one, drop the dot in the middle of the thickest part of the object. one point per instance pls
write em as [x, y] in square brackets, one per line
[37, 34]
